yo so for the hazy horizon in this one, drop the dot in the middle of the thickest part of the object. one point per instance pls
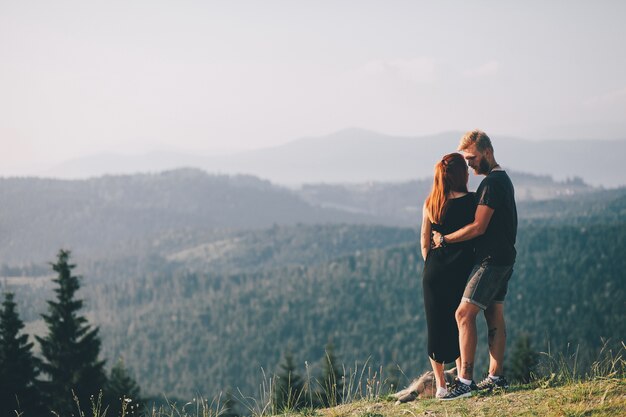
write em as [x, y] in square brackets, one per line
[82, 79]
[48, 169]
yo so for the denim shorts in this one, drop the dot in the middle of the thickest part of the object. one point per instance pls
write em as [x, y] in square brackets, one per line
[487, 284]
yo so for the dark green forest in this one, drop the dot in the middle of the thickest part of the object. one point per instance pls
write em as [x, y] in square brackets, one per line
[219, 330]
[183, 331]
[205, 309]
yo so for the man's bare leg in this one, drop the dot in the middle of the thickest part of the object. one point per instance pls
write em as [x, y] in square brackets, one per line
[497, 338]
[466, 320]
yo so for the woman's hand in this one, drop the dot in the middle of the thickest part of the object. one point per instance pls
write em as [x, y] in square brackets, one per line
[436, 239]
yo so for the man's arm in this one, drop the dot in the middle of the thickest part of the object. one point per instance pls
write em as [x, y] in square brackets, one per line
[470, 231]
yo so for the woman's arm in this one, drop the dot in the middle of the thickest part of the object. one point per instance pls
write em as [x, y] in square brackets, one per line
[425, 235]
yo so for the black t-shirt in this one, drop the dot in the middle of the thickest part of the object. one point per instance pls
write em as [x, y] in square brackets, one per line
[459, 212]
[497, 245]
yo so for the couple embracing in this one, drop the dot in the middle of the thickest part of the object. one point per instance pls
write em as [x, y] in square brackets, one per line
[468, 245]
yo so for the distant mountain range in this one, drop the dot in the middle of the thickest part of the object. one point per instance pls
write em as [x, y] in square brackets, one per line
[114, 216]
[356, 155]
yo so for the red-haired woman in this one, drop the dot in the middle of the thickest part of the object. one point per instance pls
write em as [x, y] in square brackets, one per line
[446, 269]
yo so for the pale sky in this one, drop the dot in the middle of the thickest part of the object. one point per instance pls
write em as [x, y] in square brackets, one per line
[79, 77]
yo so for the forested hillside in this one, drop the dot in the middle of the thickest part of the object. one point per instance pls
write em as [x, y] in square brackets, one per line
[236, 252]
[120, 216]
[112, 216]
[182, 331]
[202, 309]
[218, 331]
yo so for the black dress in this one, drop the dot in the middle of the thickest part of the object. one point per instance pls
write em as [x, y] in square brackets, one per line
[446, 271]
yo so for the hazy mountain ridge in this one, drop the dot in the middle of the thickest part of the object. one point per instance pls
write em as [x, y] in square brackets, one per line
[112, 216]
[401, 202]
[357, 155]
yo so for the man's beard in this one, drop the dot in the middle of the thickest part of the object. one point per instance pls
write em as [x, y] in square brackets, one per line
[483, 167]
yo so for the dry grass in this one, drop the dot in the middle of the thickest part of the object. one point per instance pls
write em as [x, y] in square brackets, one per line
[601, 397]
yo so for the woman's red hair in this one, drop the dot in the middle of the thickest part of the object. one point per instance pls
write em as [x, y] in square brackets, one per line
[450, 175]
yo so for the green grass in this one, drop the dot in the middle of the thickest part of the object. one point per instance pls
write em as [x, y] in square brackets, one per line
[601, 397]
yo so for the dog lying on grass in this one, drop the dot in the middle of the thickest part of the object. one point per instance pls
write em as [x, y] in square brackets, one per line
[423, 387]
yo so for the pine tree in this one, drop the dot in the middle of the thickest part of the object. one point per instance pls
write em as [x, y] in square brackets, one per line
[121, 388]
[71, 348]
[18, 366]
[288, 387]
[332, 378]
[523, 359]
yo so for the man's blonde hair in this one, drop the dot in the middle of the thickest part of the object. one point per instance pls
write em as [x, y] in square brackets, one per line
[477, 137]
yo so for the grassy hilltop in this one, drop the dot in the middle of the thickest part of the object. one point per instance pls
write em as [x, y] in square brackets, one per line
[556, 388]
[601, 397]
[556, 395]
[600, 392]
